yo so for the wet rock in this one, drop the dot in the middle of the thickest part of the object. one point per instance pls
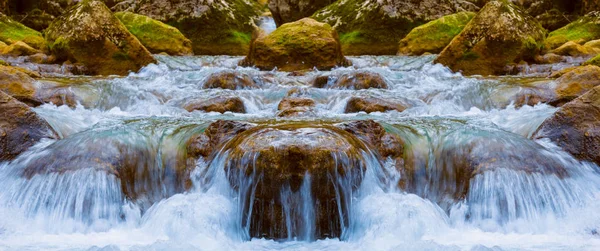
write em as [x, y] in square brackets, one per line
[375, 27]
[19, 49]
[274, 167]
[434, 36]
[20, 127]
[573, 49]
[302, 45]
[216, 134]
[19, 85]
[214, 27]
[499, 35]
[12, 31]
[156, 36]
[549, 58]
[41, 58]
[534, 96]
[295, 106]
[356, 80]
[574, 127]
[593, 61]
[582, 30]
[575, 83]
[89, 28]
[374, 134]
[285, 11]
[371, 104]
[218, 104]
[230, 80]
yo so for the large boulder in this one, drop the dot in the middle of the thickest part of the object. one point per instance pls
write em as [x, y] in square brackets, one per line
[499, 35]
[12, 31]
[374, 27]
[434, 36]
[20, 127]
[215, 27]
[89, 34]
[285, 11]
[582, 30]
[575, 127]
[156, 36]
[302, 45]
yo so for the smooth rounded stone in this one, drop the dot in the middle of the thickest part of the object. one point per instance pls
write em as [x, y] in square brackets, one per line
[574, 50]
[90, 27]
[499, 35]
[302, 45]
[218, 104]
[20, 127]
[285, 11]
[156, 36]
[230, 80]
[575, 82]
[274, 167]
[214, 27]
[584, 29]
[574, 127]
[434, 36]
[549, 58]
[295, 106]
[18, 49]
[371, 104]
[375, 27]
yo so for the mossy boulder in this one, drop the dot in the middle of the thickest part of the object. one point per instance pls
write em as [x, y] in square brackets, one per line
[501, 34]
[89, 34]
[302, 45]
[156, 36]
[434, 36]
[12, 31]
[285, 11]
[356, 80]
[375, 27]
[215, 27]
[585, 29]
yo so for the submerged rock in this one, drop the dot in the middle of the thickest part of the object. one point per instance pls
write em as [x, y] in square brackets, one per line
[575, 127]
[434, 36]
[218, 104]
[216, 134]
[156, 36]
[302, 45]
[295, 106]
[356, 80]
[91, 35]
[584, 29]
[371, 104]
[12, 31]
[499, 35]
[20, 127]
[228, 79]
[285, 11]
[375, 27]
[216, 27]
[374, 134]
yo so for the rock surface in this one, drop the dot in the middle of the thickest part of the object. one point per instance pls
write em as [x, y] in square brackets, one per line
[574, 83]
[231, 80]
[156, 36]
[285, 11]
[584, 29]
[215, 27]
[499, 35]
[302, 45]
[374, 27]
[12, 31]
[371, 104]
[574, 127]
[218, 104]
[295, 106]
[91, 35]
[356, 80]
[20, 127]
[434, 36]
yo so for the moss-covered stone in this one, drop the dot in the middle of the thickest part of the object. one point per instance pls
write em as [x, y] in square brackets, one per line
[594, 61]
[499, 35]
[19, 49]
[12, 31]
[302, 45]
[156, 36]
[89, 34]
[585, 29]
[374, 27]
[215, 27]
[434, 36]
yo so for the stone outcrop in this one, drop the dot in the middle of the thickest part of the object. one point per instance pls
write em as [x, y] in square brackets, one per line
[582, 30]
[12, 31]
[285, 11]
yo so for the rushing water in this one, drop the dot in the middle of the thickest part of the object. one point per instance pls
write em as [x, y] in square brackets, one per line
[63, 194]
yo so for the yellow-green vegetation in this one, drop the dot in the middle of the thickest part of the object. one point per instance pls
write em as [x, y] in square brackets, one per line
[300, 45]
[594, 61]
[156, 36]
[585, 29]
[501, 34]
[434, 36]
[12, 31]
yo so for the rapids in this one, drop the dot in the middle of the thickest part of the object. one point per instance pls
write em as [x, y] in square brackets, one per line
[60, 196]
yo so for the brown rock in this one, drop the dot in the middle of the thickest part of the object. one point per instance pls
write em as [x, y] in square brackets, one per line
[295, 106]
[19, 49]
[575, 83]
[231, 80]
[572, 49]
[219, 104]
[369, 105]
[20, 127]
[285, 11]
[549, 58]
[19, 85]
[356, 80]
[374, 134]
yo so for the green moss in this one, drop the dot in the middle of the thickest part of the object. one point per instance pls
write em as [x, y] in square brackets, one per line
[469, 56]
[240, 37]
[594, 61]
[354, 37]
[584, 29]
[12, 31]
[4, 63]
[120, 56]
[432, 37]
